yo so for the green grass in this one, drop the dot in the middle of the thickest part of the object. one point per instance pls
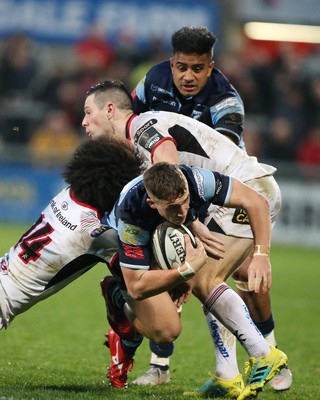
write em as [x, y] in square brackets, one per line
[55, 351]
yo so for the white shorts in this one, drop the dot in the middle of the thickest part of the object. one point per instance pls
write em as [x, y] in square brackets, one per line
[235, 221]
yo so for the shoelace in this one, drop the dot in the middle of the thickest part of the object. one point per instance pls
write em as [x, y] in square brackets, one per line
[247, 369]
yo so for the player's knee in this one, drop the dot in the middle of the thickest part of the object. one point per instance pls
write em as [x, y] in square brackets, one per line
[240, 277]
[167, 335]
[241, 274]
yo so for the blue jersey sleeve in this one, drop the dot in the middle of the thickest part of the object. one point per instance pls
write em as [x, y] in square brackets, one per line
[134, 246]
[208, 186]
[139, 98]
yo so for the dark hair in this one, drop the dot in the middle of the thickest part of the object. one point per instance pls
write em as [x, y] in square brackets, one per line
[100, 168]
[193, 40]
[113, 90]
[165, 181]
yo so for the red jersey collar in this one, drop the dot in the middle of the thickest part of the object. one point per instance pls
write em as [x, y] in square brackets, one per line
[72, 195]
[128, 125]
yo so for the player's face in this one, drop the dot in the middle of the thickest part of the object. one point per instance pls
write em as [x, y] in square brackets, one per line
[174, 211]
[190, 72]
[95, 121]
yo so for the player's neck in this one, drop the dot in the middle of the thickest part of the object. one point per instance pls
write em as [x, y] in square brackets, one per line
[120, 124]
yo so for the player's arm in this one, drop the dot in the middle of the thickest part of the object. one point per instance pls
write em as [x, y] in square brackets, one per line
[257, 208]
[231, 126]
[166, 151]
[227, 116]
[144, 283]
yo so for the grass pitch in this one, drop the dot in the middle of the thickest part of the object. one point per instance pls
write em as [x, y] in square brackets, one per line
[55, 350]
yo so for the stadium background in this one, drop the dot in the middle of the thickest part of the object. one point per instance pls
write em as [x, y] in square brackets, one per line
[54, 351]
[52, 51]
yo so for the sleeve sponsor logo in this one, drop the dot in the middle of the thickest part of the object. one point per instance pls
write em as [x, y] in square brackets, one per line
[199, 181]
[230, 102]
[155, 88]
[143, 128]
[218, 186]
[149, 138]
[171, 103]
[131, 234]
[132, 251]
[99, 231]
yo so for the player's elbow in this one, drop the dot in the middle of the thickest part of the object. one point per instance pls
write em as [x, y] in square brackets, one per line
[136, 284]
[265, 203]
[258, 204]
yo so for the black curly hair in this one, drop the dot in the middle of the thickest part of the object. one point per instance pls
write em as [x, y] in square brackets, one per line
[100, 168]
[193, 40]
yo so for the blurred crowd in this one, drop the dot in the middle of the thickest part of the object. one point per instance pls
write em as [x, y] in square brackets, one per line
[280, 87]
[42, 92]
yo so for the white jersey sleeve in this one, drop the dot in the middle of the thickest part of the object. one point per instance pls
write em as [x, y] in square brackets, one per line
[197, 144]
[66, 241]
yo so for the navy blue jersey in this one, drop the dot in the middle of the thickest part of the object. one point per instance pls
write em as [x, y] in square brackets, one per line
[218, 104]
[135, 220]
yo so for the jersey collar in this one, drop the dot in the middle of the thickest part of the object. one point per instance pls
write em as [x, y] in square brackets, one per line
[128, 126]
[73, 197]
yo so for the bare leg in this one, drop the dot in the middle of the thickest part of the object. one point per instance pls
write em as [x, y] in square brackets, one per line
[156, 318]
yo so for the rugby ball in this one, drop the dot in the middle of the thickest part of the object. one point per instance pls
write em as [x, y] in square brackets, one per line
[168, 245]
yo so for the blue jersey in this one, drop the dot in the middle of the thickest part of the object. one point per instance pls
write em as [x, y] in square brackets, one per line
[218, 105]
[135, 220]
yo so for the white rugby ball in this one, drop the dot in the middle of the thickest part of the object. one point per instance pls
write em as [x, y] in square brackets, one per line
[168, 245]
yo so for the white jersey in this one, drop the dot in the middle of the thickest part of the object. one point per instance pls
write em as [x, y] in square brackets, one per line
[66, 241]
[202, 146]
[198, 144]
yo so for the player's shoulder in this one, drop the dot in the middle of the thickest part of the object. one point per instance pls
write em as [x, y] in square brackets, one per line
[186, 170]
[217, 75]
[162, 67]
[197, 174]
[65, 210]
[219, 83]
[160, 74]
[132, 205]
[146, 119]
[218, 80]
[131, 192]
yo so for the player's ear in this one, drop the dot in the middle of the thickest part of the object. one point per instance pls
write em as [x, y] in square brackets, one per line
[151, 203]
[211, 65]
[110, 109]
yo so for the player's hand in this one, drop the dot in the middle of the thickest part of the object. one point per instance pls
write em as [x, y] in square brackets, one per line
[181, 293]
[212, 244]
[196, 257]
[259, 274]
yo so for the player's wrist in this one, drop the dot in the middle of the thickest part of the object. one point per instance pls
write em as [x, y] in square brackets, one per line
[186, 271]
[261, 250]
